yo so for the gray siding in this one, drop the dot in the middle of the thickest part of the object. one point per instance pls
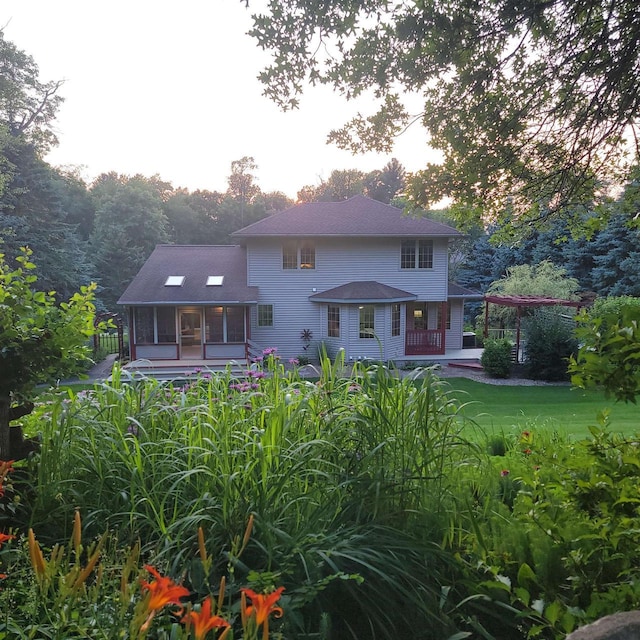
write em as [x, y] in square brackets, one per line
[454, 334]
[338, 261]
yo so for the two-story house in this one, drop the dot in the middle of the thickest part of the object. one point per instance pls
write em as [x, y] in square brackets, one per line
[357, 275]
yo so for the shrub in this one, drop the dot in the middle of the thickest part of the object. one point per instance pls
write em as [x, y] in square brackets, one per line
[549, 344]
[612, 306]
[496, 358]
[609, 353]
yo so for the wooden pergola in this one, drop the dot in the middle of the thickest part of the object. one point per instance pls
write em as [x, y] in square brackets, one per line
[524, 302]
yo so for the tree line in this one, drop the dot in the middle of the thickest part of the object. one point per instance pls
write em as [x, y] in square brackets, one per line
[104, 231]
[606, 261]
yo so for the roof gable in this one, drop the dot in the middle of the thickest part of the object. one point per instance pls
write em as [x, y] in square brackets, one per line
[358, 216]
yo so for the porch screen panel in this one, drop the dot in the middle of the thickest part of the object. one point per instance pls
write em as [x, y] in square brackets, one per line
[235, 324]
[166, 319]
[214, 324]
[143, 319]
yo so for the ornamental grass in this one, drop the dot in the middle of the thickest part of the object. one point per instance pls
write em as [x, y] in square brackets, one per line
[273, 506]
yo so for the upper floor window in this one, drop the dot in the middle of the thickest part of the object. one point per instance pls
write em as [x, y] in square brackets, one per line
[416, 254]
[298, 256]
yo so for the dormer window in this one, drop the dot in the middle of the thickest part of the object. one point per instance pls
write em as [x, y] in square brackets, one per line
[299, 255]
[174, 281]
[215, 281]
[416, 254]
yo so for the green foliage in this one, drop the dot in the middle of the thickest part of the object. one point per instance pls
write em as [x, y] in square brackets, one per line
[611, 307]
[609, 352]
[362, 490]
[615, 254]
[28, 106]
[39, 341]
[542, 279]
[490, 73]
[382, 185]
[496, 358]
[550, 342]
[337, 475]
[129, 223]
[564, 550]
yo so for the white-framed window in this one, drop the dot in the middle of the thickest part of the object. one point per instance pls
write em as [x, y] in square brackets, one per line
[416, 254]
[298, 255]
[265, 315]
[333, 321]
[395, 319]
[367, 321]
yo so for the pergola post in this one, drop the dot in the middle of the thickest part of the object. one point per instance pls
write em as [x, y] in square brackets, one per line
[518, 315]
[486, 319]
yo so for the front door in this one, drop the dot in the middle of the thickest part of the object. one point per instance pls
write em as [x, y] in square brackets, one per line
[190, 335]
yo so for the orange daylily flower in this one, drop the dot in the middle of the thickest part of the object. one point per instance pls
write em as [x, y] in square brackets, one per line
[202, 621]
[262, 605]
[5, 537]
[163, 591]
[5, 468]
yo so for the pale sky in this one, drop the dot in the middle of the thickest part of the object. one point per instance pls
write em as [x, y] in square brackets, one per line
[170, 88]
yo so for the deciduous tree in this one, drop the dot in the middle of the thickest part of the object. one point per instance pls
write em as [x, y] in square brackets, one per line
[532, 103]
[40, 341]
[129, 223]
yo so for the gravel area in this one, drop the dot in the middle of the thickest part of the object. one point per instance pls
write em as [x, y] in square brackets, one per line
[516, 379]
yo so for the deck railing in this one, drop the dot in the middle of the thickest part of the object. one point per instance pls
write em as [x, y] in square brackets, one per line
[419, 342]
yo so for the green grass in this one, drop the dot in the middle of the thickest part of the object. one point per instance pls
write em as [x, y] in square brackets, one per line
[504, 408]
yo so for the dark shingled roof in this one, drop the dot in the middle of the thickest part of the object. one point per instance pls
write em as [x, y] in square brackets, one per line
[196, 263]
[360, 292]
[456, 291]
[357, 216]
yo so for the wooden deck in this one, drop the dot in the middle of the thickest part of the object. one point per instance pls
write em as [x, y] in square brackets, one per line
[181, 369]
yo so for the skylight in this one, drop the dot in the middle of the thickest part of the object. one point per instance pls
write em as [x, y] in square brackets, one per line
[214, 281]
[174, 281]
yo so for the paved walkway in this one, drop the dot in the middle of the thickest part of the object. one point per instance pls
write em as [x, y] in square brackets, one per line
[102, 370]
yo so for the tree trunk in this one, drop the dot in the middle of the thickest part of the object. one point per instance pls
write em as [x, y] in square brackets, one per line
[5, 441]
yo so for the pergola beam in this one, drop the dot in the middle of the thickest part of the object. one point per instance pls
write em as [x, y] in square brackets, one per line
[518, 302]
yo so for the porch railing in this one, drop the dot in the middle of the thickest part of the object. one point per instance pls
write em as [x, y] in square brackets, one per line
[420, 342]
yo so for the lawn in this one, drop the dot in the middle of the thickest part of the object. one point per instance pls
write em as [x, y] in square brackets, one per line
[560, 408]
